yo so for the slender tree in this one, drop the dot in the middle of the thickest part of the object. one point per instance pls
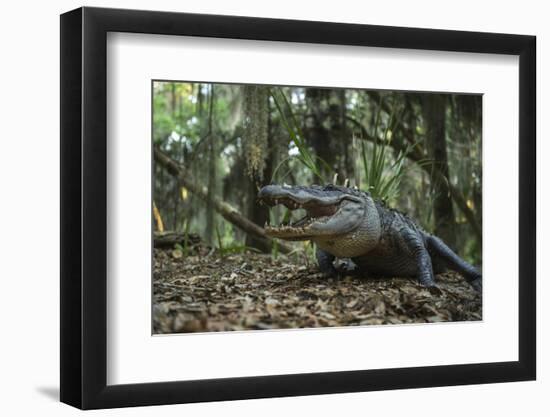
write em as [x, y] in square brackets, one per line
[325, 127]
[257, 155]
[433, 110]
[212, 170]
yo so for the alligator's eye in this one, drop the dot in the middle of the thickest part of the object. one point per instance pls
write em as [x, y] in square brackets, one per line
[330, 187]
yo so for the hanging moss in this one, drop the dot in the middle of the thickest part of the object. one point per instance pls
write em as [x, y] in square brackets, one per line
[255, 129]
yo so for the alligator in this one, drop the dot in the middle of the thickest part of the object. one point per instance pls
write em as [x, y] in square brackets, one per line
[347, 223]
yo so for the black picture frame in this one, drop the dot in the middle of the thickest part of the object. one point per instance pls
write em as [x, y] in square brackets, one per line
[84, 207]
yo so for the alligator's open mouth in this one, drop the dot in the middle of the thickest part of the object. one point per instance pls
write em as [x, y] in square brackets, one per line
[298, 226]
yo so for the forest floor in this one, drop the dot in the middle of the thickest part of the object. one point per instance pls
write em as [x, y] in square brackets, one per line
[254, 291]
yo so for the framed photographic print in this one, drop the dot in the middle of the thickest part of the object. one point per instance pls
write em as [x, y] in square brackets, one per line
[256, 208]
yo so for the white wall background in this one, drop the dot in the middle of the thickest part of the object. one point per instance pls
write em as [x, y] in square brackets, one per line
[29, 213]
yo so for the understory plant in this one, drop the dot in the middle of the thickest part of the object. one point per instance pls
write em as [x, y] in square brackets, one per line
[383, 169]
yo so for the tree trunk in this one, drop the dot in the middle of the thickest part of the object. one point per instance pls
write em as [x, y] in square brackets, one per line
[347, 163]
[257, 148]
[325, 128]
[433, 110]
[212, 168]
[167, 240]
[175, 194]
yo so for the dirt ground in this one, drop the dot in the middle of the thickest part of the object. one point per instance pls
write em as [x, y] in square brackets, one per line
[254, 291]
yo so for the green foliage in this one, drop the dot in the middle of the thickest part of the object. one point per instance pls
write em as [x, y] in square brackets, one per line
[311, 161]
[231, 248]
[382, 176]
[274, 248]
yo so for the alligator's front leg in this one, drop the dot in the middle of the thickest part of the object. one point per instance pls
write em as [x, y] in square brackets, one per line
[325, 261]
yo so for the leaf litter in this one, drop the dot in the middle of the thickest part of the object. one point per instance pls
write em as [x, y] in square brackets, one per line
[251, 291]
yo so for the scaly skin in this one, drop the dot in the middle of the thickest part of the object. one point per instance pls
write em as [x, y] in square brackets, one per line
[348, 223]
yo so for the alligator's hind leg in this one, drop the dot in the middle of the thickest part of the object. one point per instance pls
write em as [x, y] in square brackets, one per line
[438, 248]
[325, 261]
[425, 271]
[416, 247]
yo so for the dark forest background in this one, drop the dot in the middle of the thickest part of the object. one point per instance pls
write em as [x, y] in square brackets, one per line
[216, 144]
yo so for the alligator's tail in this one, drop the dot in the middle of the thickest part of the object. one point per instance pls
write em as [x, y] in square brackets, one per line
[439, 249]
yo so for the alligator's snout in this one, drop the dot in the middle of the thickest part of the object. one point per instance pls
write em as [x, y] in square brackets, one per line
[269, 191]
[321, 204]
[273, 195]
[304, 196]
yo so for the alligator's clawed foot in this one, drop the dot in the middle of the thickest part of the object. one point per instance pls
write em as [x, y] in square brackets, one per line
[334, 274]
[345, 267]
[435, 290]
[331, 267]
[477, 285]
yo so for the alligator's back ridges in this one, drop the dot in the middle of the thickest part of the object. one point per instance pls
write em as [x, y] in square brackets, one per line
[388, 214]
